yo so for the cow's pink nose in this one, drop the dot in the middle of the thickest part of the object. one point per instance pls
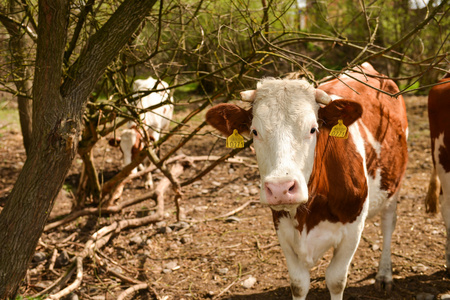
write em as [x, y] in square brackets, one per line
[284, 192]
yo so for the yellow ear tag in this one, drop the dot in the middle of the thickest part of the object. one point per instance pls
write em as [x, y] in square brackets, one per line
[339, 130]
[235, 140]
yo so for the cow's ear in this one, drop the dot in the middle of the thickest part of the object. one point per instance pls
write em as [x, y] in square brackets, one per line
[346, 110]
[226, 117]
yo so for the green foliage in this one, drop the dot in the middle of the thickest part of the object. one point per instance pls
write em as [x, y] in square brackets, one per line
[372, 26]
[68, 187]
[414, 86]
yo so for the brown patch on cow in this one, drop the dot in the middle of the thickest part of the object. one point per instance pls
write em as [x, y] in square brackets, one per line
[385, 118]
[444, 158]
[226, 117]
[337, 187]
[388, 85]
[277, 215]
[438, 112]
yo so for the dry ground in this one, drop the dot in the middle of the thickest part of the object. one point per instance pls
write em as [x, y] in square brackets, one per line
[206, 258]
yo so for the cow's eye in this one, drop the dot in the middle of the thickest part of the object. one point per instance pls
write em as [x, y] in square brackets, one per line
[313, 130]
[254, 132]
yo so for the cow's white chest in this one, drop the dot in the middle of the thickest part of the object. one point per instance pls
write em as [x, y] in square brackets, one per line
[308, 247]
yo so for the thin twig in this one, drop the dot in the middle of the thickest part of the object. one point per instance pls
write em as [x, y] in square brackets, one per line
[132, 290]
[96, 211]
[234, 211]
[52, 262]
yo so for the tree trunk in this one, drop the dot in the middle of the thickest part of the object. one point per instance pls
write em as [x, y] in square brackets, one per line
[28, 206]
[57, 112]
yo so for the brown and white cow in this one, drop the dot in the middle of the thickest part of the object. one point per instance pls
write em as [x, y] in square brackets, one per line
[131, 140]
[322, 188]
[438, 116]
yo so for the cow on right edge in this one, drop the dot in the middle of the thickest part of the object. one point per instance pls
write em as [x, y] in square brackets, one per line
[439, 118]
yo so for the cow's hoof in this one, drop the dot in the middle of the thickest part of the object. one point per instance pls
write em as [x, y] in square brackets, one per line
[384, 284]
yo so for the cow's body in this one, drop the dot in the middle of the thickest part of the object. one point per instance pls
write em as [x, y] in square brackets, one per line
[158, 119]
[321, 188]
[438, 115]
[154, 122]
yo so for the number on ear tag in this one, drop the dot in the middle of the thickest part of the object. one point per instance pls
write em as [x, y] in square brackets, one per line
[339, 130]
[235, 140]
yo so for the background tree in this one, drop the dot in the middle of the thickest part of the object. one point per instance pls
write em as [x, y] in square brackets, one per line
[57, 111]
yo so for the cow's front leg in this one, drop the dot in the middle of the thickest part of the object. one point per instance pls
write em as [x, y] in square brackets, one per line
[298, 270]
[300, 284]
[148, 179]
[388, 221]
[336, 273]
[148, 184]
[299, 275]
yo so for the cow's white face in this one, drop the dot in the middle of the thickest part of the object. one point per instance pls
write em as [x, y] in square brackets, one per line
[284, 129]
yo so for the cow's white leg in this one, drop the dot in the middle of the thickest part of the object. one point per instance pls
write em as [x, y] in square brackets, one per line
[445, 198]
[298, 269]
[148, 181]
[148, 184]
[445, 210]
[128, 140]
[299, 275]
[336, 273]
[388, 220]
[300, 285]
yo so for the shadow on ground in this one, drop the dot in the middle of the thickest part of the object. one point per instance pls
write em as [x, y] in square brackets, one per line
[407, 288]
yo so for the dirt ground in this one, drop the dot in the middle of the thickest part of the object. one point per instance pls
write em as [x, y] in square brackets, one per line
[206, 257]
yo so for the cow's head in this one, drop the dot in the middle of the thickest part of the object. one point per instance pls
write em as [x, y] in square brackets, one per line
[284, 122]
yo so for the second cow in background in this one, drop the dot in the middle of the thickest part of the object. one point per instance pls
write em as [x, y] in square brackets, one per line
[155, 121]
